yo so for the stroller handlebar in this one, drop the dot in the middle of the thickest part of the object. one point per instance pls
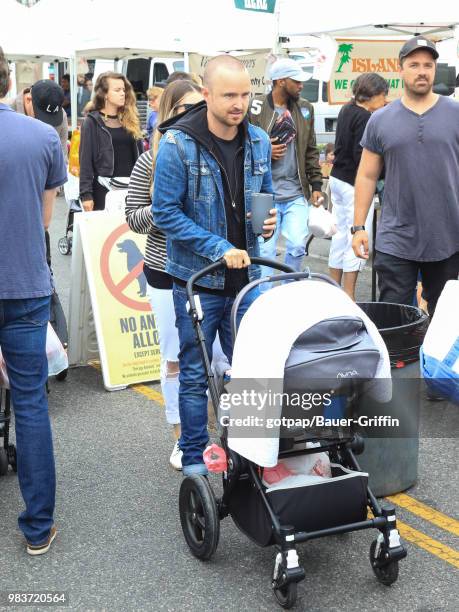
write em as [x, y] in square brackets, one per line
[256, 261]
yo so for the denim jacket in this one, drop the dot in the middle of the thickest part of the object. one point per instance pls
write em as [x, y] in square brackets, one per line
[188, 202]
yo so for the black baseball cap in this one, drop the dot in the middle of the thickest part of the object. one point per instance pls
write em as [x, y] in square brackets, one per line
[415, 44]
[47, 99]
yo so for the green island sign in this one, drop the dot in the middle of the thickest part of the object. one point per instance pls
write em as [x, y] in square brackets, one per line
[260, 6]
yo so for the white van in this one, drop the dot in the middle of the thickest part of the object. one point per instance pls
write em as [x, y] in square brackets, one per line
[316, 92]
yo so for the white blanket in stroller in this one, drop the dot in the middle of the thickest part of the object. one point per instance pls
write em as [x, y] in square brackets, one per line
[266, 335]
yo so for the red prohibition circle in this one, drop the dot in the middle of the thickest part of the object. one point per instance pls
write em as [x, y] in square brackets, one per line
[116, 289]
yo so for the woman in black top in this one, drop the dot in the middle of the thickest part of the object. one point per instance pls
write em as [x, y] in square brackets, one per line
[110, 140]
[370, 91]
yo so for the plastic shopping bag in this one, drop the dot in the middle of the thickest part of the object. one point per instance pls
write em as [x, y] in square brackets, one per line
[115, 201]
[57, 356]
[321, 222]
[55, 352]
[71, 188]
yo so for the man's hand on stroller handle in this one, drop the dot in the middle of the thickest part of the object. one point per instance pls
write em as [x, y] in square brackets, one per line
[236, 259]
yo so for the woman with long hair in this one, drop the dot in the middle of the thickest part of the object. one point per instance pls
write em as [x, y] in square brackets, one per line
[369, 94]
[110, 140]
[177, 98]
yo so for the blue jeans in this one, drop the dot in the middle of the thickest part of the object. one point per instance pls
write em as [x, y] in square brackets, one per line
[23, 325]
[193, 379]
[292, 222]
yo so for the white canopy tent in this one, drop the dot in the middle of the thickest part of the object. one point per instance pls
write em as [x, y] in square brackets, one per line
[22, 39]
[149, 28]
[388, 19]
[139, 25]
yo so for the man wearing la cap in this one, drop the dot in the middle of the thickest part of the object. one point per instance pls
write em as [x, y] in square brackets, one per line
[417, 139]
[44, 102]
[297, 178]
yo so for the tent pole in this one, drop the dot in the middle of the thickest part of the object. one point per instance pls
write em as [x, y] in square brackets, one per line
[277, 46]
[73, 92]
[456, 60]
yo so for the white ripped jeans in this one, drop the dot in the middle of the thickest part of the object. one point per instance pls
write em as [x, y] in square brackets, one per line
[162, 305]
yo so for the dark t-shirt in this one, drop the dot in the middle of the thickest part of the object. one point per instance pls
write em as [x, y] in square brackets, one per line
[352, 120]
[31, 162]
[420, 211]
[230, 155]
[123, 151]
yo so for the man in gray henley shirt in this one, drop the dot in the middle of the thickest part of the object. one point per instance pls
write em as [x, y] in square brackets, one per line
[417, 139]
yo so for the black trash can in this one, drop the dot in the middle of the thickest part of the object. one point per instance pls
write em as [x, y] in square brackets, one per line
[392, 462]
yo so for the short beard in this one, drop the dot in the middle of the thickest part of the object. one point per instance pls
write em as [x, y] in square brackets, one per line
[418, 94]
[293, 97]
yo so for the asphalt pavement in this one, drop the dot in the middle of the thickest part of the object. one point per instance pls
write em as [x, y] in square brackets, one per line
[120, 545]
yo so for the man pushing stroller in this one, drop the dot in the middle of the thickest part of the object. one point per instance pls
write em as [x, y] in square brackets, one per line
[208, 165]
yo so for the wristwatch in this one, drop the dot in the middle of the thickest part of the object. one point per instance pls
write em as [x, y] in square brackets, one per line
[357, 228]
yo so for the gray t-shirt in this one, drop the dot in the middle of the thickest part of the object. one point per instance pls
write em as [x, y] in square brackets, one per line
[420, 210]
[286, 182]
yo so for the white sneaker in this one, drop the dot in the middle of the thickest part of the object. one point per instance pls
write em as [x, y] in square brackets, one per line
[176, 457]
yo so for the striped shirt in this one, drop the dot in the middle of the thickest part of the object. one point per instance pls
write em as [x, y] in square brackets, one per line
[140, 220]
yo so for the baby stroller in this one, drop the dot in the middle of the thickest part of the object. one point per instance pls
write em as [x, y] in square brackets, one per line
[65, 243]
[7, 450]
[285, 516]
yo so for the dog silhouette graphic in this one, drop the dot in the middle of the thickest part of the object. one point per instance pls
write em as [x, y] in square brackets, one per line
[133, 257]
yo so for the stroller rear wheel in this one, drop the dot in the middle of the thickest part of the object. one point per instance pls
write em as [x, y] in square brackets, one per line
[386, 573]
[199, 516]
[64, 245]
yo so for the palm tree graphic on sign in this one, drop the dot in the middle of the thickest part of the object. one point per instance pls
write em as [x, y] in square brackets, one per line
[345, 51]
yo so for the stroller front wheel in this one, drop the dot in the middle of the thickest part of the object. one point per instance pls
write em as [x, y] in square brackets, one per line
[287, 595]
[199, 516]
[386, 573]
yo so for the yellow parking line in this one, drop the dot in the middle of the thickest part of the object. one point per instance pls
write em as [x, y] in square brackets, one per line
[425, 512]
[432, 546]
[150, 393]
[153, 395]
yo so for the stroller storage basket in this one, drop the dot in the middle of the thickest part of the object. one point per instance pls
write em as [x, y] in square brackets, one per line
[324, 504]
